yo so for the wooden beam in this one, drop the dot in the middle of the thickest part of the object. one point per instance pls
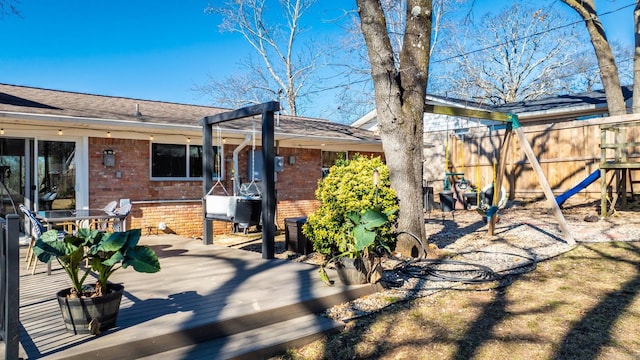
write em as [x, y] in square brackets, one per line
[462, 112]
[271, 106]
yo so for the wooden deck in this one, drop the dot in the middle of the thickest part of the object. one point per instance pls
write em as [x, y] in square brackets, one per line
[207, 302]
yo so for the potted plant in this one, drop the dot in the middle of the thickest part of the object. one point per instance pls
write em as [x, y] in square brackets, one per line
[358, 261]
[357, 214]
[90, 309]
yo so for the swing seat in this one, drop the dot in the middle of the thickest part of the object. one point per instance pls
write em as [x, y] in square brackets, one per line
[220, 207]
[242, 211]
[487, 213]
[492, 211]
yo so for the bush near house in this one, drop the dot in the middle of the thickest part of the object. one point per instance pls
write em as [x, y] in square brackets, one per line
[347, 188]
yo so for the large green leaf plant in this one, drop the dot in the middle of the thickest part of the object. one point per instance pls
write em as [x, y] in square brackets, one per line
[364, 241]
[104, 252]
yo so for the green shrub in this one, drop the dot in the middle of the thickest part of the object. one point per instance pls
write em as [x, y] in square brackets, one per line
[349, 188]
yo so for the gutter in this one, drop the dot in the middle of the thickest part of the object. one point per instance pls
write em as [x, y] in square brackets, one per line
[236, 151]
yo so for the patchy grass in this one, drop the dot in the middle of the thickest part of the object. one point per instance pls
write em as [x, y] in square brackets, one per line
[584, 304]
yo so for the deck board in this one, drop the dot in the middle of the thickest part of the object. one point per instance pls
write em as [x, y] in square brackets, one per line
[202, 291]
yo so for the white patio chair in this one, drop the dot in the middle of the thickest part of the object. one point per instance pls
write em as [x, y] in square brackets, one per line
[120, 223]
[103, 224]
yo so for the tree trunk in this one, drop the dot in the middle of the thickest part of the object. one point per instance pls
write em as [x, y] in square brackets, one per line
[400, 94]
[606, 62]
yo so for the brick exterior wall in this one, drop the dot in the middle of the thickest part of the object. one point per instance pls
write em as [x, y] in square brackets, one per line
[177, 203]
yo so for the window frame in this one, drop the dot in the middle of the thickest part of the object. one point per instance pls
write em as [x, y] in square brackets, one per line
[187, 177]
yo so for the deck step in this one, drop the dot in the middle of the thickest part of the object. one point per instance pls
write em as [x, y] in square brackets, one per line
[258, 343]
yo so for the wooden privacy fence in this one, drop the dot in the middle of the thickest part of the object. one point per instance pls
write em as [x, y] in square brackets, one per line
[568, 152]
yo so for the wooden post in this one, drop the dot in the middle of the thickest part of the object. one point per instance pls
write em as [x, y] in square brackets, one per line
[502, 163]
[543, 183]
[603, 172]
[603, 193]
[207, 181]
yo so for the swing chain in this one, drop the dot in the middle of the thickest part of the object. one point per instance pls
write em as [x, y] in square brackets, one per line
[217, 163]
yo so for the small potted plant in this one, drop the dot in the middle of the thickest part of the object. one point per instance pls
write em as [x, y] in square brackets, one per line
[90, 309]
[358, 260]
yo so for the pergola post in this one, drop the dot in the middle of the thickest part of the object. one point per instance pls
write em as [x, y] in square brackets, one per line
[207, 180]
[267, 111]
[268, 187]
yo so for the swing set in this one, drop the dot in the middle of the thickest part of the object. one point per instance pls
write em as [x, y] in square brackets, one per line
[512, 126]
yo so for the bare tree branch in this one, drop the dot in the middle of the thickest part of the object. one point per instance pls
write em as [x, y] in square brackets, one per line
[9, 7]
[286, 69]
[356, 97]
[608, 69]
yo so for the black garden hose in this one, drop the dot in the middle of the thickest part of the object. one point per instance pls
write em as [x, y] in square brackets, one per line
[458, 271]
[448, 274]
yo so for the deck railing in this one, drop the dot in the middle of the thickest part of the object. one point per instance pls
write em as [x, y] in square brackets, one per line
[9, 286]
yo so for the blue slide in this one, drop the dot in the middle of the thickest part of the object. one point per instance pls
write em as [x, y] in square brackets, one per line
[560, 199]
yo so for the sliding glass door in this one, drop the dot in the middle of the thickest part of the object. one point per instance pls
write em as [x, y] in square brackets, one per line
[56, 175]
[38, 173]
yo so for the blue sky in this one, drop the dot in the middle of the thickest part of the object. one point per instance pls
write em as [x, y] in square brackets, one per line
[153, 50]
[150, 50]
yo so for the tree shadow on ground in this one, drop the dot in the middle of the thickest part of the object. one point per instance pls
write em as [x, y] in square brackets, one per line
[587, 337]
[441, 240]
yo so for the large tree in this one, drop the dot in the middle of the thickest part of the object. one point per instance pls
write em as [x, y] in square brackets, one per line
[400, 88]
[606, 61]
[281, 68]
[352, 63]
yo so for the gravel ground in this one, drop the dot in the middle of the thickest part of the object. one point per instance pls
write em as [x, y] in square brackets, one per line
[525, 234]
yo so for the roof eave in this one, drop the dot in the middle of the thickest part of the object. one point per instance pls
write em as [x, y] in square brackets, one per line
[153, 128]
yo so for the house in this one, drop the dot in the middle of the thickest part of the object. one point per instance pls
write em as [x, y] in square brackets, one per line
[62, 150]
[568, 107]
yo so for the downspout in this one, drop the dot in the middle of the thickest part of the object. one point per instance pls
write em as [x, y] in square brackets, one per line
[236, 177]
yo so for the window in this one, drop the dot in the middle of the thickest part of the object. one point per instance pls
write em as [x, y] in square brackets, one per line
[329, 159]
[181, 161]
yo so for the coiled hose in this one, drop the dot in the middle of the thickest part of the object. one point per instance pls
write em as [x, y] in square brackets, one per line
[458, 271]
